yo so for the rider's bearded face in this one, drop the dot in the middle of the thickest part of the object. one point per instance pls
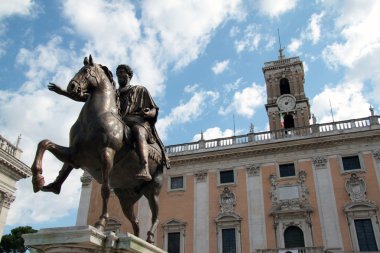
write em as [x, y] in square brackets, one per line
[122, 77]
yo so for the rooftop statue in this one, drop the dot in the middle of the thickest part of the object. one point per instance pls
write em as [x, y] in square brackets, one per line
[114, 139]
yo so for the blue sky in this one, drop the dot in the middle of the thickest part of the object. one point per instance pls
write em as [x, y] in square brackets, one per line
[202, 61]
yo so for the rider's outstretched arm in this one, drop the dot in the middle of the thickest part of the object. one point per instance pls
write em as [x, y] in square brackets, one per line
[60, 91]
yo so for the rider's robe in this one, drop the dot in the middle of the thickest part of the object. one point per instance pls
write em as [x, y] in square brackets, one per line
[133, 100]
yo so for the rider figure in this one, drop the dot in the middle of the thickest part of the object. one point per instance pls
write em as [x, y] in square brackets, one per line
[139, 112]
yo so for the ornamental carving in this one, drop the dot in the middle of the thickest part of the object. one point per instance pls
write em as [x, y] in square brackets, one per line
[376, 155]
[7, 199]
[253, 170]
[320, 162]
[200, 176]
[86, 180]
[227, 201]
[273, 191]
[356, 188]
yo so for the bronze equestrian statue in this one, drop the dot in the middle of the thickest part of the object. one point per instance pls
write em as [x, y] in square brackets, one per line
[102, 144]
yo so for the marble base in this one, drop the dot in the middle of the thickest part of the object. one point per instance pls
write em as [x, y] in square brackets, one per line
[85, 239]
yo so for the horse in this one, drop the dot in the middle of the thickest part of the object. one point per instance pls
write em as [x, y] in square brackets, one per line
[100, 144]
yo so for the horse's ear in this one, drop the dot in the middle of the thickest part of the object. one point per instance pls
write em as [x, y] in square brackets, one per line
[85, 61]
[91, 62]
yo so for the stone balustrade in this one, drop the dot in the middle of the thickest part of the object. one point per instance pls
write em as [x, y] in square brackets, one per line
[9, 148]
[352, 125]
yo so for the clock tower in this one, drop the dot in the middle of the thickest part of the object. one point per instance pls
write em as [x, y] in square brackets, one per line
[287, 106]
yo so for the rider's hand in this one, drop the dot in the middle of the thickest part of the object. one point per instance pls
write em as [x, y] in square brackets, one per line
[55, 88]
[149, 113]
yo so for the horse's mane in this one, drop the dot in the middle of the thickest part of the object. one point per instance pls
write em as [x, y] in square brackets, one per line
[108, 74]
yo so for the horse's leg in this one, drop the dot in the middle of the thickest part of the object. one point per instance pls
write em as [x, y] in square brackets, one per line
[151, 192]
[153, 203]
[127, 200]
[62, 153]
[107, 157]
[55, 187]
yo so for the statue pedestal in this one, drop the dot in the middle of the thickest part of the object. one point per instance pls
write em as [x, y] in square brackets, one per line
[86, 239]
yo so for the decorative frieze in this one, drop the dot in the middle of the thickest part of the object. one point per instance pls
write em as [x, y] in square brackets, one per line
[253, 170]
[86, 179]
[7, 199]
[200, 176]
[376, 155]
[320, 162]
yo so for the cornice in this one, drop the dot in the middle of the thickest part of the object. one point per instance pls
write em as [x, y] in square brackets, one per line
[281, 146]
[13, 167]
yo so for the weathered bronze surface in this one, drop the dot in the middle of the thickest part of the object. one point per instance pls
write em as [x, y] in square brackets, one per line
[109, 149]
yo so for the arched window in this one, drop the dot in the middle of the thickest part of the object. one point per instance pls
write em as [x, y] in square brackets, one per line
[293, 237]
[284, 86]
[288, 121]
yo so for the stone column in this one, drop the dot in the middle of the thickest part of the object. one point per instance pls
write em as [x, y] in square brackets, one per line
[256, 213]
[5, 203]
[376, 156]
[85, 197]
[327, 205]
[201, 213]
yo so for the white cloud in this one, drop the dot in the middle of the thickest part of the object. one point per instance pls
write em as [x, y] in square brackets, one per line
[246, 102]
[47, 60]
[313, 31]
[186, 38]
[294, 45]
[186, 112]
[36, 113]
[220, 67]
[347, 102]
[253, 39]
[152, 43]
[275, 8]
[16, 7]
[39, 115]
[234, 31]
[214, 133]
[357, 24]
[232, 86]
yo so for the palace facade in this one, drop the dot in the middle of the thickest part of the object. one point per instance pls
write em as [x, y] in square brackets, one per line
[11, 170]
[299, 187]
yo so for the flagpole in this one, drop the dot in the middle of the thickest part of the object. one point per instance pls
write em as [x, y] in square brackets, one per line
[233, 117]
[332, 114]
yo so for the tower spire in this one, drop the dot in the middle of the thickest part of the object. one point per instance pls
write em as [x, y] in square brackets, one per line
[281, 55]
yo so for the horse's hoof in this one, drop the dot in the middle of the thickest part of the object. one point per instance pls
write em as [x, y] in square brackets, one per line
[38, 182]
[52, 187]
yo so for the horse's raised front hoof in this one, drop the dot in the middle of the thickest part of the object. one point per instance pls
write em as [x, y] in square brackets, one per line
[150, 238]
[52, 187]
[38, 182]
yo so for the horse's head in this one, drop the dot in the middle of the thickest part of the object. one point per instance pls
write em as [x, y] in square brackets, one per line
[89, 77]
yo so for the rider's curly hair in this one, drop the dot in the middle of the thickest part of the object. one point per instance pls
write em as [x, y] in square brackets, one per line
[126, 68]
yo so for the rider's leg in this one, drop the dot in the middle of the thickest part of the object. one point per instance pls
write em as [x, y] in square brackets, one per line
[141, 136]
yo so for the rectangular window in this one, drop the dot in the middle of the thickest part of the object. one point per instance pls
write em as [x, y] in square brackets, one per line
[351, 163]
[227, 176]
[365, 235]
[228, 240]
[174, 242]
[287, 170]
[176, 183]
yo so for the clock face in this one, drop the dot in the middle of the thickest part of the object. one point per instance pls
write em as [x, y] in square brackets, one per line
[286, 102]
